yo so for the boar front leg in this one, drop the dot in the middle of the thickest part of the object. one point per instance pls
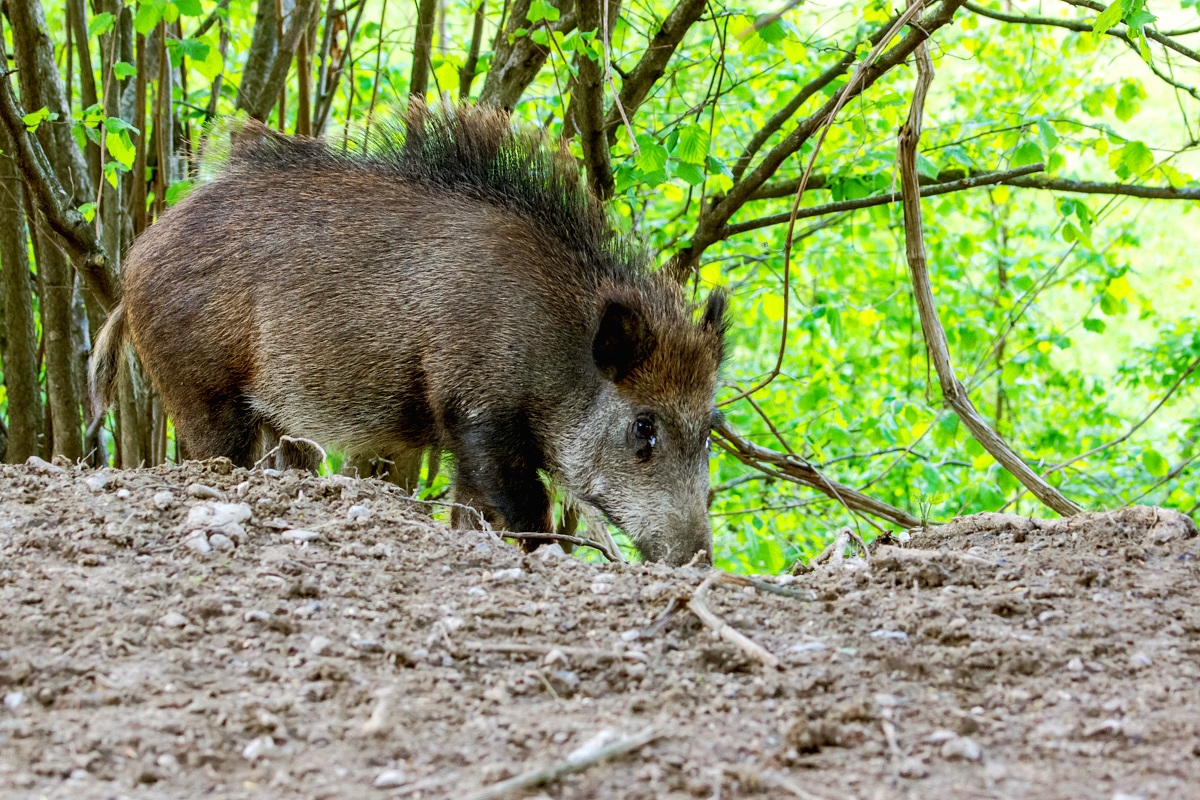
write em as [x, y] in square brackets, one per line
[497, 475]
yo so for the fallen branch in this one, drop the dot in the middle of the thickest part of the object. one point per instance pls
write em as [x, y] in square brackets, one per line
[762, 586]
[517, 649]
[935, 336]
[697, 606]
[792, 468]
[913, 554]
[560, 537]
[578, 761]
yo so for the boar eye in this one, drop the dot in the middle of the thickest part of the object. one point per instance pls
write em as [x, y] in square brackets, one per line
[646, 436]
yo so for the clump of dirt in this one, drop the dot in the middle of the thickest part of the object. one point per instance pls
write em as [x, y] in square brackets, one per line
[199, 630]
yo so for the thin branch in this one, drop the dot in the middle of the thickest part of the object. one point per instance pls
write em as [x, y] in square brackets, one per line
[1151, 34]
[418, 83]
[932, 190]
[931, 326]
[795, 470]
[1187, 373]
[638, 81]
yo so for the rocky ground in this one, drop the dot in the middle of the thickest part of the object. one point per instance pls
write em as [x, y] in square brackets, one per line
[201, 631]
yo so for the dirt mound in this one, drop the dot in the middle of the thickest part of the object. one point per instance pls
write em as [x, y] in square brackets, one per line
[197, 630]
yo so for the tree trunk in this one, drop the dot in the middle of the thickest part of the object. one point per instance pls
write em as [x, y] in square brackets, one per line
[418, 84]
[41, 85]
[16, 301]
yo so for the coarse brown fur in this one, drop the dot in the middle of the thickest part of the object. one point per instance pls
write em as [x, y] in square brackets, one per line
[452, 284]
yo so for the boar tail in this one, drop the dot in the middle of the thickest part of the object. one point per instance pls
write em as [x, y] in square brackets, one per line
[107, 359]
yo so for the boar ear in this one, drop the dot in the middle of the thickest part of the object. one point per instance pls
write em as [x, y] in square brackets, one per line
[714, 312]
[623, 341]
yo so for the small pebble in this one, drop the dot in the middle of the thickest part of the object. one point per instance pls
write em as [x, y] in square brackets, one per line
[368, 645]
[631, 635]
[300, 536]
[172, 619]
[505, 575]
[1139, 660]
[319, 645]
[806, 647]
[97, 482]
[199, 490]
[255, 749]
[220, 541]
[123, 494]
[13, 700]
[272, 473]
[601, 587]
[256, 616]
[198, 542]
[389, 779]
[913, 767]
[477, 591]
[163, 500]
[79, 775]
[43, 466]
[1075, 664]
[961, 747]
[899, 636]
[359, 512]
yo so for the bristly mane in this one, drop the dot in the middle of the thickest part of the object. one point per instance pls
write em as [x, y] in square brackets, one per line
[470, 151]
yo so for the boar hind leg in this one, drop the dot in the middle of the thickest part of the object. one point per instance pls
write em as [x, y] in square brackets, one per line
[218, 425]
[497, 475]
[290, 455]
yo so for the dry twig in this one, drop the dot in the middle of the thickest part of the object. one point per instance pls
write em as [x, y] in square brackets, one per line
[697, 606]
[576, 762]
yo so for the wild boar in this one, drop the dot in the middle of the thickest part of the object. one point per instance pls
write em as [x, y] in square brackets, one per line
[450, 284]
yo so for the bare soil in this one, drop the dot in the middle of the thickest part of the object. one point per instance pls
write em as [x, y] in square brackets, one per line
[382, 655]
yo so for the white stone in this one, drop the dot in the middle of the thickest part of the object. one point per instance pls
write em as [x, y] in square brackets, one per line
[163, 500]
[300, 536]
[389, 779]
[172, 619]
[97, 482]
[219, 541]
[257, 747]
[198, 542]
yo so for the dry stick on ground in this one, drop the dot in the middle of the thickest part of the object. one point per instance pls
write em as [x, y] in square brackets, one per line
[576, 762]
[560, 537]
[935, 336]
[762, 586]
[514, 648]
[697, 606]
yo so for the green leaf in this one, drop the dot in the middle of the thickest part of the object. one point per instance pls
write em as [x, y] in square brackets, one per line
[147, 17]
[1109, 17]
[189, 8]
[1155, 464]
[194, 49]
[101, 23]
[1047, 133]
[35, 118]
[116, 125]
[1132, 159]
[124, 70]
[690, 173]
[926, 167]
[211, 66]
[88, 210]
[121, 148]
[541, 10]
[693, 144]
[1027, 153]
[177, 191]
[653, 156]
[1094, 325]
